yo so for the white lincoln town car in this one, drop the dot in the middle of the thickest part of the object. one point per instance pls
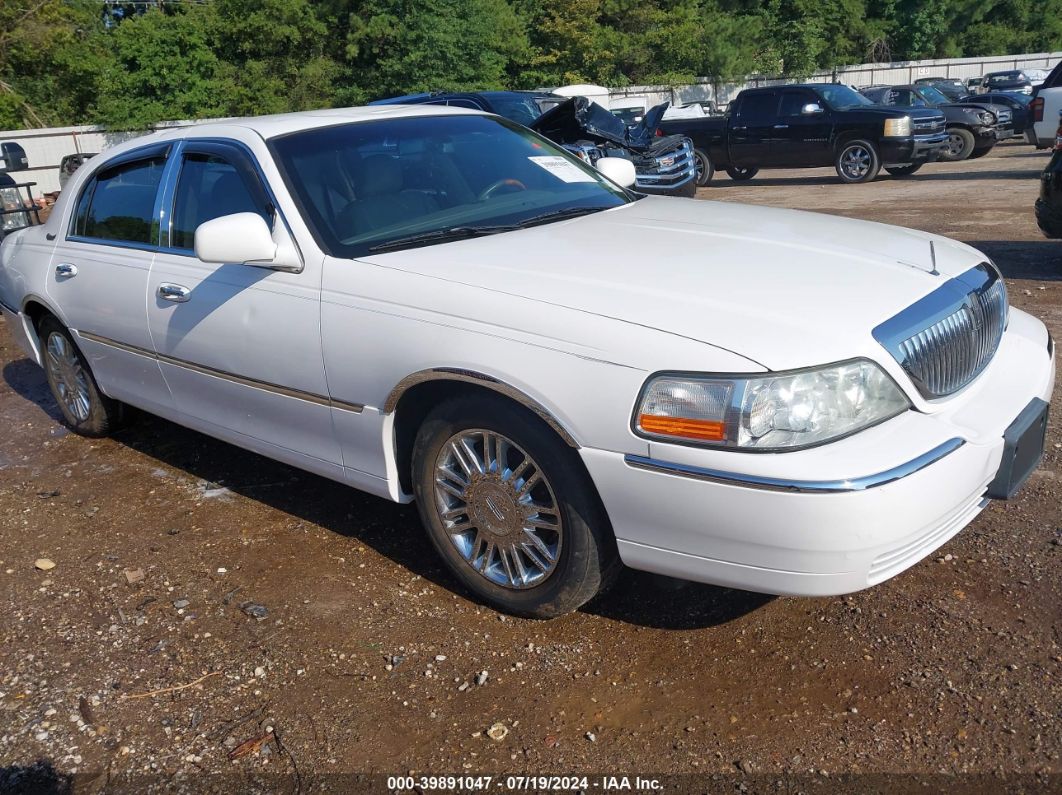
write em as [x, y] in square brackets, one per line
[439, 305]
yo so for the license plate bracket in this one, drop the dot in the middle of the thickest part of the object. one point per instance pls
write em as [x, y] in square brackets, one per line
[1023, 447]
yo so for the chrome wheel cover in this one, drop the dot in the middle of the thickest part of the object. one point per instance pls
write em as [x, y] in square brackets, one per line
[498, 509]
[855, 162]
[68, 376]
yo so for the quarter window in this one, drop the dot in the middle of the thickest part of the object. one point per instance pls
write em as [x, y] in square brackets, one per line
[210, 187]
[119, 203]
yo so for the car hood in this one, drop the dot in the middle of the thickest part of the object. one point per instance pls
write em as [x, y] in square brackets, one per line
[579, 118]
[783, 288]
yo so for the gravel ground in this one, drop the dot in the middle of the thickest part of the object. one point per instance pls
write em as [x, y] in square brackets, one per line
[214, 619]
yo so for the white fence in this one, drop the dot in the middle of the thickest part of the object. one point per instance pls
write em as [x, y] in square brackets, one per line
[899, 73]
[46, 147]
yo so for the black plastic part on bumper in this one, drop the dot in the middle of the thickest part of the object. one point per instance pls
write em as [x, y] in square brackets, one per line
[1023, 447]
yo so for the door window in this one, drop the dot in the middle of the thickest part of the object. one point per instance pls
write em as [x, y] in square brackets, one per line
[758, 109]
[209, 187]
[793, 102]
[119, 203]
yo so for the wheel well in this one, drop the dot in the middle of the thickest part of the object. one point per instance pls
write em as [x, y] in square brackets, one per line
[846, 138]
[415, 403]
[36, 312]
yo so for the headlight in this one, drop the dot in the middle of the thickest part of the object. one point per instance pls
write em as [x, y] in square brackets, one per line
[898, 128]
[986, 117]
[773, 411]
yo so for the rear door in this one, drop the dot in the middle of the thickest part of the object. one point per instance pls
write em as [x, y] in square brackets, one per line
[240, 346]
[99, 274]
[752, 129]
[803, 139]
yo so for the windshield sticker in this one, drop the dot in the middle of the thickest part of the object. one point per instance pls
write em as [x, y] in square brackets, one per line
[561, 168]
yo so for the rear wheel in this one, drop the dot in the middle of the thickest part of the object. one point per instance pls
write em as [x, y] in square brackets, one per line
[904, 171]
[510, 508]
[705, 167]
[960, 145]
[86, 410]
[857, 161]
[741, 174]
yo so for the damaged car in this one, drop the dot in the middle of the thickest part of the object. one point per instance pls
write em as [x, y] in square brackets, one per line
[974, 127]
[662, 165]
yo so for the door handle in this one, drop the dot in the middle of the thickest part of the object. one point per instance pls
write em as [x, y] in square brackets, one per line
[781, 126]
[739, 128]
[65, 270]
[174, 292]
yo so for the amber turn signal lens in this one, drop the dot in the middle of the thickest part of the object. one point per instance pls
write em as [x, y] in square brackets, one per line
[705, 430]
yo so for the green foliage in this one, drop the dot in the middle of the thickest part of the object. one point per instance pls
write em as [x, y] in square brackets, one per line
[73, 61]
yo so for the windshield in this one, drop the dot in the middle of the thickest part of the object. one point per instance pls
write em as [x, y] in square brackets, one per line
[841, 97]
[364, 185]
[522, 110]
[1006, 77]
[933, 96]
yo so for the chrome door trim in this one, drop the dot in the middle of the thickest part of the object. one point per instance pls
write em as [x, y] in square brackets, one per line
[802, 486]
[472, 377]
[254, 383]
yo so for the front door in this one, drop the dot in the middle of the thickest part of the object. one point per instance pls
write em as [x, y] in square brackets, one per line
[752, 129]
[803, 138]
[99, 273]
[240, 346]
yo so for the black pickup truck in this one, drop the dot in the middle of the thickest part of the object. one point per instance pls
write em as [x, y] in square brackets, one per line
[811, 126]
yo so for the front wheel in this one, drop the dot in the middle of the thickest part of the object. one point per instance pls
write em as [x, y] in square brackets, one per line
[857, 161]
[904, 171]
[960, 145]
[85, 408]
[741, 174]
[705, 167]
[976, 153]
[510, 508]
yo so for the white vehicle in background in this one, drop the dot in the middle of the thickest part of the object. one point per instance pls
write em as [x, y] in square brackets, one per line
[435, 304]
[630, 110]
[1044, 109]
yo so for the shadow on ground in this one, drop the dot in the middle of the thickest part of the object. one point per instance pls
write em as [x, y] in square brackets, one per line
[1025, 259]
[390, 529]
[40, 778]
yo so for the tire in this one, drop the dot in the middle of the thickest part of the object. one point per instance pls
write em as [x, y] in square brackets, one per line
[857, 161]
[976, 153]
[741, 174]
[1049, 218]
[904, 171]
[575, 549]
[705, 167]
[86, 410]
[960, 145]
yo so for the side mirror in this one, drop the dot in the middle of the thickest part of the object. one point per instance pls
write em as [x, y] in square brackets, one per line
[811, 109]
[12, 157]
[245, 239]
[618, 170]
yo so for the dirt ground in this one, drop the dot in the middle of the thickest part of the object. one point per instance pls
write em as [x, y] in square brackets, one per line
[325, 640]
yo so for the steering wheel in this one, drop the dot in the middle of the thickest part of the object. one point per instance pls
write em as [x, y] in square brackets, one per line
[488, 191]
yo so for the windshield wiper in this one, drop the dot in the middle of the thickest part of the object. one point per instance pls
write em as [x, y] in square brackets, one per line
[440, 236]
[463, 232]
[557, 215]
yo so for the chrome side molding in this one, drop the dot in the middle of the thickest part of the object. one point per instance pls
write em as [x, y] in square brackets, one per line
[802, 486]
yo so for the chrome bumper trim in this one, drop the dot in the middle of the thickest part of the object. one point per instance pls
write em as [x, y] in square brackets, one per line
[802, 486]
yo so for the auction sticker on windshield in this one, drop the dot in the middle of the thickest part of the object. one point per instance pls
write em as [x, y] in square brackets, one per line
[561, 168]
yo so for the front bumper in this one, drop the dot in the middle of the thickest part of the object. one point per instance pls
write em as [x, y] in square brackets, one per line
[916, 149]
[799, 526]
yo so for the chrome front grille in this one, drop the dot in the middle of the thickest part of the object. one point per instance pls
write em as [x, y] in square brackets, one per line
[670, 169]
[928, 125]
[946, 339]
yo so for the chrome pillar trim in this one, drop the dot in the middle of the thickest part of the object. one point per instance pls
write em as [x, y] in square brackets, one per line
[472, 377]
[801, 486]
[277, 389]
